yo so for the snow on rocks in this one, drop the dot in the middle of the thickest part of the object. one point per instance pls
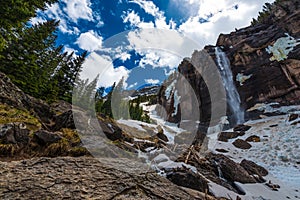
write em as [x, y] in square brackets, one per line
[277, 150]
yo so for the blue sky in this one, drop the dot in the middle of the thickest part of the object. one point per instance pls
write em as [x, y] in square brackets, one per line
[112, 33]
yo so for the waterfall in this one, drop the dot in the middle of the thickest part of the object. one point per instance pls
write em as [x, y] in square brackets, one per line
[233, 97]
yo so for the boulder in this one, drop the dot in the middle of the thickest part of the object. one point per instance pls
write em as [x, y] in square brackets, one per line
[160, 134]
[241, 144]
[14, 133]
[187, 178]
[253, 138]
[293, 117]
[242, 127]
[225, 136]
[232, 171]
[64, 120]
[253, 168]
[111, 131]
[11, 95]
[44, 137]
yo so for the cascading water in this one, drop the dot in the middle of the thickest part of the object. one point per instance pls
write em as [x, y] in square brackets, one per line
[233, 96]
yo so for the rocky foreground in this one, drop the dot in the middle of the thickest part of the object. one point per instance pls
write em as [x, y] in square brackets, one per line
[86, 178]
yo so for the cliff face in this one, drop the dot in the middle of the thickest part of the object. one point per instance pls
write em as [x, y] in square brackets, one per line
[264, 59]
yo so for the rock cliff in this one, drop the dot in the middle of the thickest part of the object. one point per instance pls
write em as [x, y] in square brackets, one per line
[264, 60]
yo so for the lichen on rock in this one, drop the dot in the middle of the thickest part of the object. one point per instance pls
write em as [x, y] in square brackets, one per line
[282, 47]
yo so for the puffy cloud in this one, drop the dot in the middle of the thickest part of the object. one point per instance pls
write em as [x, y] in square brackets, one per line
[96, 64]
[159, 58]
[124, 56]
[89, 41]
[150, 8]
[223, 17]
[170, 41]
[152, 81]
[78, 9]
[133, 18]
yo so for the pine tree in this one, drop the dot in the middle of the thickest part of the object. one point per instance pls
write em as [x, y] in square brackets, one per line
[66, 74]
[13, 15]
[32, 58]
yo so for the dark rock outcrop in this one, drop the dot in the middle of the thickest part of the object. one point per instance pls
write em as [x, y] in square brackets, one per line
[232, 171]
[187, 178]
[14, 133]
[272, 79]
[253, 168]
[44, 137]
[13, 96]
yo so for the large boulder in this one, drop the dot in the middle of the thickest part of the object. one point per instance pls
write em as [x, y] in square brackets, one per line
[253, 168]
[241, 144]
[44, 137]
[187, 178]
[232, 171]
[14, 133]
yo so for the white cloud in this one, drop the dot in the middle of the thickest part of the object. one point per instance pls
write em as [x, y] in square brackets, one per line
[150, 8]
[78, 9]
[161, 39]
[124, 56]
[152, 81]
[36, 20]
[224, 18]
[89, 41]
[96, 64]
[159, 58]
[54, 12]
[133, 18]
[132, 85]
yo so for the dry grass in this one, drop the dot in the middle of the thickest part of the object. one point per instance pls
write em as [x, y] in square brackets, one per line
[9, 114]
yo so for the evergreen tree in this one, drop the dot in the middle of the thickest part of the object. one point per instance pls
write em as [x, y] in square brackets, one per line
[106, 109]
[84, 94]
[31, 59]
[66, 74]
[14, 13]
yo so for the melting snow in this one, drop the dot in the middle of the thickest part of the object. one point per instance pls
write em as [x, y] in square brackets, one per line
[278, 152]
[282, 47]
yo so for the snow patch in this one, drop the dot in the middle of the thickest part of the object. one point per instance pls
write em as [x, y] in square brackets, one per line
[169, 90]
[241, 78]
[176, 102]
[282, 47]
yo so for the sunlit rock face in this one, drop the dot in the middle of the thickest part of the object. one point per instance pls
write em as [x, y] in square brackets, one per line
[265, 57]
[264, 60]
